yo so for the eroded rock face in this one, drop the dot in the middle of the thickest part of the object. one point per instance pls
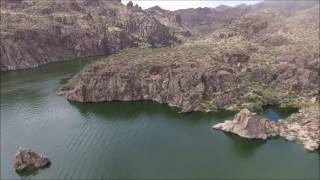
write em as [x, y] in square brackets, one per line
[246, 124]
[26, 159]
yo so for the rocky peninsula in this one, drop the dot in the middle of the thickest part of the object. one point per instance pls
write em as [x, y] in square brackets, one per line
[302, 127]
[254, 61]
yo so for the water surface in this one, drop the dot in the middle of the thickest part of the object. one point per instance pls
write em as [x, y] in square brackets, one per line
[131, 139]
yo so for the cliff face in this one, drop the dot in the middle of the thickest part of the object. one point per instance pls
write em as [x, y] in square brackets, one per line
[38, 32]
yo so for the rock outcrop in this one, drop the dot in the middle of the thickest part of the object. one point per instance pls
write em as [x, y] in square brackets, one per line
[246, 124]
[26, 159]
[305, 129]
[38, 32]
[170, 19]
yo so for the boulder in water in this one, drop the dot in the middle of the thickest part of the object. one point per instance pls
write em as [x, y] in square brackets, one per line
[26, 159]
[246, 124]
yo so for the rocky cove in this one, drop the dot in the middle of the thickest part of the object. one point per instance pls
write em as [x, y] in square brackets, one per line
[191, 87]
[246, 64]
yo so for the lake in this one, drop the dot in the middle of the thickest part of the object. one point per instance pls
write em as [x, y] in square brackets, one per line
[131, 139]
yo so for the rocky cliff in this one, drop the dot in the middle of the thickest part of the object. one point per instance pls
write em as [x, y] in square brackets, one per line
[38, 32]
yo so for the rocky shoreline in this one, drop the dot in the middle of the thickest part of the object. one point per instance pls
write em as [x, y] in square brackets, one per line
[305, 129]
[195, 86]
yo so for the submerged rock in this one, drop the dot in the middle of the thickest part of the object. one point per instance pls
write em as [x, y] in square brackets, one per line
[26, 159]
[246, 124]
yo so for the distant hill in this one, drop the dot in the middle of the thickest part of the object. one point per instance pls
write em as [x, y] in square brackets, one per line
[206, 20]
[202, 21]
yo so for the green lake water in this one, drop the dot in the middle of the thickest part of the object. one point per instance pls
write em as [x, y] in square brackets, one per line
[131, 139]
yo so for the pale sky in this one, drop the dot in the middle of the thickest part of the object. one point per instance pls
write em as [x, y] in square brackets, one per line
[180, 4]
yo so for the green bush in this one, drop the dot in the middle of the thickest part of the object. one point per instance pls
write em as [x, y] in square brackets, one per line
[158, 45]
[254, 107]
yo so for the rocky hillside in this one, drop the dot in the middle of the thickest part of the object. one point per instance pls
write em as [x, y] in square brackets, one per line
[38, 32]
[252, 62]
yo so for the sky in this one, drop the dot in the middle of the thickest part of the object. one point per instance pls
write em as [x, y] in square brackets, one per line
[181, 4]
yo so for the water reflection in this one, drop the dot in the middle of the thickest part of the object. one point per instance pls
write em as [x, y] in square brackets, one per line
[244, 147]
[275, 113]
[131, 110]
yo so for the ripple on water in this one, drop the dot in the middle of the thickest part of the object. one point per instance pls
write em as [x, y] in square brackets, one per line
[138, 140]
[77, 137]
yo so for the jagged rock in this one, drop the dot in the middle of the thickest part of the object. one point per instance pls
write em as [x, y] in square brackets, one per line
[246, 124]
[130, 4]
[26, 159]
